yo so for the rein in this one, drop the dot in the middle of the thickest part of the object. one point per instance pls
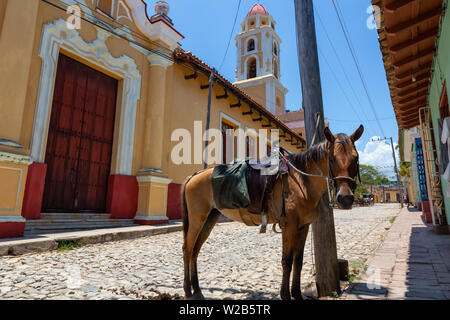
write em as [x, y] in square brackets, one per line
[321, 175]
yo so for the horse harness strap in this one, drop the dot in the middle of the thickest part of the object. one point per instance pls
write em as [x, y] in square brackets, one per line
[282, 175]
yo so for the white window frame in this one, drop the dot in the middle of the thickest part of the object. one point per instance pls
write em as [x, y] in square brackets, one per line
[238, 125]
[246, 65]
[255, 39]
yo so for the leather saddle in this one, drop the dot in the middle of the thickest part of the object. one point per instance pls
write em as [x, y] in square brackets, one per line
[261, 177]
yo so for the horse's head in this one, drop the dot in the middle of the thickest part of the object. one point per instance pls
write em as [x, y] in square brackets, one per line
[344, 165]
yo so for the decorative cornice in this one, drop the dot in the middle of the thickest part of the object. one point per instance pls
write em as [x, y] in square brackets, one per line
[15, 158]
[158, 31]
[154, 179]
[158, 60]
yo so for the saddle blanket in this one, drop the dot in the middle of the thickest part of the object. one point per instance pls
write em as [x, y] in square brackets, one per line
[230, 186]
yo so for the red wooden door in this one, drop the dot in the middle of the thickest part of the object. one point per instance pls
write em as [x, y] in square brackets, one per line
[79, 144]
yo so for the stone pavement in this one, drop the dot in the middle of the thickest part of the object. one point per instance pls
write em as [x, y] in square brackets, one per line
[412, 263]
[235, 263]
[49, 241]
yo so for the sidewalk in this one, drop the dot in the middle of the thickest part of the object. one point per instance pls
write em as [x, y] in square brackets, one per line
[43, 242]
[412, 263]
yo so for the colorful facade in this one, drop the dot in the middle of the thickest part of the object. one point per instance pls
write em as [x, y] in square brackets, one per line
[415, 42]
[88, 112]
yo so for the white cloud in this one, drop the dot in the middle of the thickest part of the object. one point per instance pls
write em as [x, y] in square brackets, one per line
[379, 154]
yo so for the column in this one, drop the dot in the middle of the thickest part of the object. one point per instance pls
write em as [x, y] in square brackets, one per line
[16, 46]
[154, 121]
[152, 184]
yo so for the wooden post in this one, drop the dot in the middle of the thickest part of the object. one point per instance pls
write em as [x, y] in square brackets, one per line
[324, 237]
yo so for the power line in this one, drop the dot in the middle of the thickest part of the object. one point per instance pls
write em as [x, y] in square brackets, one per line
[231, 35]
[340, 63]
[370, 120]
[340, 86]
[347, 38]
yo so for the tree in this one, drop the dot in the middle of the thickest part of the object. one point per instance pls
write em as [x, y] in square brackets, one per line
[404, 169]
[370, 176]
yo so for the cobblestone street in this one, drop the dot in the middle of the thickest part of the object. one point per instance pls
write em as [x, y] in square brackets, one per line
[235, 263]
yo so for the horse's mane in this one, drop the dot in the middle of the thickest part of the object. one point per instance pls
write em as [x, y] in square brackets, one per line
[315, 153]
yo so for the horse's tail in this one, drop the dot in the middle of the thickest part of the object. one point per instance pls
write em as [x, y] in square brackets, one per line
[184, 205]
[185, 210]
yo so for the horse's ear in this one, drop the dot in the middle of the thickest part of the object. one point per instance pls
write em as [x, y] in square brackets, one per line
[357, 134]
[330, 137]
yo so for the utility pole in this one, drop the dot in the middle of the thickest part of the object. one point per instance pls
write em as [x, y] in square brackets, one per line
[400, 189]
[324, 237]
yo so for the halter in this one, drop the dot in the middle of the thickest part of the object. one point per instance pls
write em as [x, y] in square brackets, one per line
[351, 181]
[331, 179]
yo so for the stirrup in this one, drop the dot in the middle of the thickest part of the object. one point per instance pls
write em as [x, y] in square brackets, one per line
[264, 223]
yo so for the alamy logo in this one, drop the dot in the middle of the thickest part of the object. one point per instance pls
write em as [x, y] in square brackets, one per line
[225, 147]
[74, 20]
[374, 21]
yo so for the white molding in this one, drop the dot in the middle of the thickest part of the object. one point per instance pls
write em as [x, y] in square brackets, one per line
[239, 137]
[153, 31]
[151, 218]
[270, 97]
[258, 69]
[12, 219]
[154, 179]
[96, 52]
[255, 39]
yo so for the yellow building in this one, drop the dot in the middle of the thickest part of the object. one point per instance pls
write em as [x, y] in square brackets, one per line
[89, 107]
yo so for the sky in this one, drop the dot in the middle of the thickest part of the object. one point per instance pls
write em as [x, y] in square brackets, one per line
[207, 25]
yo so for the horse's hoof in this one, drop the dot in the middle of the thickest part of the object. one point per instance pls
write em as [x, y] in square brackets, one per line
[285, 297]
[197, 296]
[297, 297]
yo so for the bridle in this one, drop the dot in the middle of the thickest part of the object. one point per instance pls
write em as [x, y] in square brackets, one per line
[352, 182]
[331, 179]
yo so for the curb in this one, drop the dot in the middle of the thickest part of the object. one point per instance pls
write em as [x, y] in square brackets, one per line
[45, 242]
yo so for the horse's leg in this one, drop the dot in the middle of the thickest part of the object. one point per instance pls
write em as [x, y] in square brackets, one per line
[288, 237]
[299, 249]
[188, 246]
[203, 236]
[194, 229]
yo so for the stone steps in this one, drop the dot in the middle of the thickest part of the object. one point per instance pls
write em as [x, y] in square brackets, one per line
[68, 222]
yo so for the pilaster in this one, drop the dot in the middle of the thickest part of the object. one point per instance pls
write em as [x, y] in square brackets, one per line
[16, 46]
[152, 203]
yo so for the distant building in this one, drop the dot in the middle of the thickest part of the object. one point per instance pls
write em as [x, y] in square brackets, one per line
[295, 120]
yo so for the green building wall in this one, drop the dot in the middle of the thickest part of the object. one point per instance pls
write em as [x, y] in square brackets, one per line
[441, 73]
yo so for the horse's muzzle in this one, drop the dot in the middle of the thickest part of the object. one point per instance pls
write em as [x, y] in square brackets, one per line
[345, 202]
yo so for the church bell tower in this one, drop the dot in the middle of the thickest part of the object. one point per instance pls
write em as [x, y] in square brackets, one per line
[258, 60]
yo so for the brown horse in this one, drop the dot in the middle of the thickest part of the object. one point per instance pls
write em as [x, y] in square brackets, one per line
[336, 157]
